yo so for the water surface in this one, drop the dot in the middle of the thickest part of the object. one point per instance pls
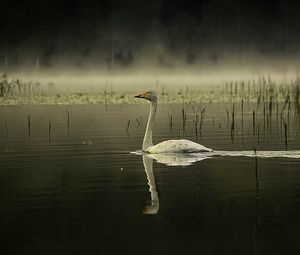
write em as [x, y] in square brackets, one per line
[79, 190]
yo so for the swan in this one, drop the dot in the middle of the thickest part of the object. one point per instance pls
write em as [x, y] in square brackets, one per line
[169, 146]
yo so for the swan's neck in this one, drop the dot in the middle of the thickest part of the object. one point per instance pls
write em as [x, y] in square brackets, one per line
[148, 134]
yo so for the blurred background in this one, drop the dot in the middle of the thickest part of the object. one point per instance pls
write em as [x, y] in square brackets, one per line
[153, 35]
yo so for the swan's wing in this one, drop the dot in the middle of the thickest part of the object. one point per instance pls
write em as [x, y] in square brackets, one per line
[178, 146]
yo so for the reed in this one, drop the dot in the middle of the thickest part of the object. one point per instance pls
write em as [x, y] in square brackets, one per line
[253, 123]
[17, 87]
[258, 133]
[183, 122]
[256, 171]
[233, 114]
[232, 124]
[270, 106]
[297, 96]
[29, 125]
[105, 99]
[262, 91]
[138, 123]
[257, 197]
[170, 119]
[201, 120]
[227, 114]
[277, 106]
[264, 115]
[286, 101]
[68, 120]
[286, 135]
[49, 132]
[196, 122]
[128, 125]
[288, 114]
[232, 132]
[242, 109]
[281, 123]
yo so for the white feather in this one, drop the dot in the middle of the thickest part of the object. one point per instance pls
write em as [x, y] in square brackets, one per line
[177, 146]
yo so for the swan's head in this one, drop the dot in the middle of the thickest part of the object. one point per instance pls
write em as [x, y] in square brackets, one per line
[148, 95]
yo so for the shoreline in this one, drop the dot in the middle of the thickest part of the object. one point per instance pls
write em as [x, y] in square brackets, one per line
[200, 98]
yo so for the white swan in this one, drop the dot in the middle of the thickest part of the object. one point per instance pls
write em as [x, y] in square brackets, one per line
[169, 146]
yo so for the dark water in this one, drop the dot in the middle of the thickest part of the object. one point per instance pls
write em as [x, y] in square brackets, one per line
[80, 191]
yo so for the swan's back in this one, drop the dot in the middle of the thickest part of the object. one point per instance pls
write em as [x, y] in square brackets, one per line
[178, 146]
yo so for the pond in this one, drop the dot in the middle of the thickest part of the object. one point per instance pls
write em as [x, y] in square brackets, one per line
[73, 181]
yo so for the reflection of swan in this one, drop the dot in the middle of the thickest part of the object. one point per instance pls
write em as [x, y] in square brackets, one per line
[186, 159]
[295, 154]
[154, 207]
[177, 159]
[169, 146]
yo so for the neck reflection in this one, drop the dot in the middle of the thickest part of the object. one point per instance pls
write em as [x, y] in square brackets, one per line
[154, 206]
[183, 159]
[168, 160]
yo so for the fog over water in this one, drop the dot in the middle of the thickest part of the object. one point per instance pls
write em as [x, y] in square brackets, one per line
[87, 80]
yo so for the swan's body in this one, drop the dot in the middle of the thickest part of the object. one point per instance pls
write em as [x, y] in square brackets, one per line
[169, 146]
[177, 146]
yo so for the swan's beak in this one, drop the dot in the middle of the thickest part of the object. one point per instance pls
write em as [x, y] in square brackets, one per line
[142, 95]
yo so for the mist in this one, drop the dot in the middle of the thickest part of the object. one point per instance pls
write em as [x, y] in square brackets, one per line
[202, 37]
